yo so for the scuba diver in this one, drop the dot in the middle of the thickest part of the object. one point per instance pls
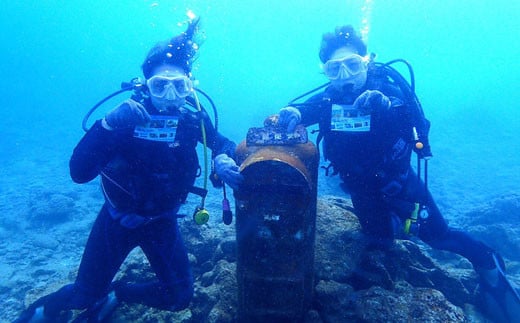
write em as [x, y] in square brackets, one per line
[370, 121]
[145, 151]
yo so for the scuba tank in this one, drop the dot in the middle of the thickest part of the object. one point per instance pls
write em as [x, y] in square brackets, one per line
[420, 132]
[275, 224]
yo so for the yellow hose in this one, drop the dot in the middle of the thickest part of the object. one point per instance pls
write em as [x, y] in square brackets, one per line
[204, 143]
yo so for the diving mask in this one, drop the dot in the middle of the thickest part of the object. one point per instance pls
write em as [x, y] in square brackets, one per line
[169, 87]
[345, 67]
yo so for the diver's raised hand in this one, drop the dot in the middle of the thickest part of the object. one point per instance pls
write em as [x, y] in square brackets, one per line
[372, 101]
[289, 117]
[228, 171]
[126, 115]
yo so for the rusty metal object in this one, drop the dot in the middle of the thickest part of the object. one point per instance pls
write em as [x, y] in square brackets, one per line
[276, 216]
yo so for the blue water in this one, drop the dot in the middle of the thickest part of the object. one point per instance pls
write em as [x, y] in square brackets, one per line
[58, 58]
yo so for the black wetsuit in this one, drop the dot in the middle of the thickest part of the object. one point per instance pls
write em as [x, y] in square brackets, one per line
[375, 168]
[144, 183]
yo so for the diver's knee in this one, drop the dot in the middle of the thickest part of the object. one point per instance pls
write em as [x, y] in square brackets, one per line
[178, 297]
[184, 297]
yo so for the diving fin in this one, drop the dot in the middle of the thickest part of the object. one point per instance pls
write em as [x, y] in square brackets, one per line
[100, 311]
[500, 299]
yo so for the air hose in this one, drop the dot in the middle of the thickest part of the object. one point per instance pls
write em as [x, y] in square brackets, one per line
[201, 215]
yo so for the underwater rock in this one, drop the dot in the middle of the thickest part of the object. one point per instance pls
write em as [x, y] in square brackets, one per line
[406, 304]
[49, 210]
[141, 313]
[44, 242]
[203, 241]
[224, 289]
[218, 300]
[335, 301]
[340, 303]
[338, 240]
[344, 256]
[497, 224]
[226, 249]
[352, 281]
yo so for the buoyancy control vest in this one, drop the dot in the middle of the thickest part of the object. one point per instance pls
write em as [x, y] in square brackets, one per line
[381, 76]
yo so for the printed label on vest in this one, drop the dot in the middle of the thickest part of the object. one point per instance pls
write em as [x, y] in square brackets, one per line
[348, 119]
[160, 128]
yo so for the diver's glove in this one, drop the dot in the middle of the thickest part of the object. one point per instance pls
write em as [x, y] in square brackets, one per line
[126, 115]
[227, 170]
[372, 101]
[289, 117]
